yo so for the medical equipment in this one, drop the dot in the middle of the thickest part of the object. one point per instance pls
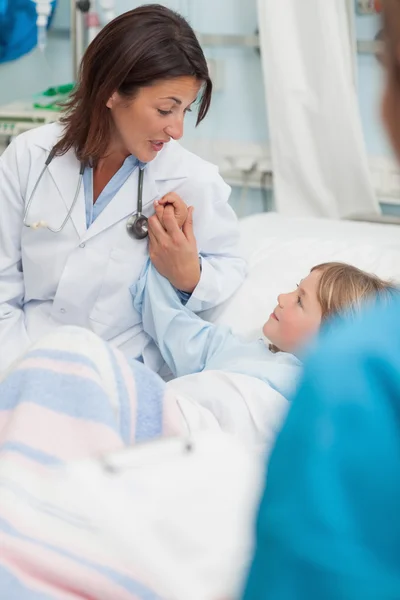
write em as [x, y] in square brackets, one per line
[87, 18]
[53, 98]
[43, 11]
[108, 10]
[93, 25]
[98, 16]
[44, 224]
[137, 225]
[79, 8]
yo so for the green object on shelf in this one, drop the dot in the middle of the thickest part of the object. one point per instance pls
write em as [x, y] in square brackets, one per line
[53, 97]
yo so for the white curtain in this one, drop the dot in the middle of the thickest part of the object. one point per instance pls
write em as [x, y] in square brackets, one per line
[319, 157]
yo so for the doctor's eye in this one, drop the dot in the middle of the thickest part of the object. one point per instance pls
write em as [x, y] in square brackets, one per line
[164, 113]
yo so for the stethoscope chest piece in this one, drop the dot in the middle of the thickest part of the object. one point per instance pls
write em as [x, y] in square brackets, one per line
[137, 227]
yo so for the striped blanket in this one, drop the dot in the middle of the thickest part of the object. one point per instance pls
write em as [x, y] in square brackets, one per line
[71, 396]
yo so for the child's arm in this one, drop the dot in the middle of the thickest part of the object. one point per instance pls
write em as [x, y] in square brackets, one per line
[169, 206]
[186, 342]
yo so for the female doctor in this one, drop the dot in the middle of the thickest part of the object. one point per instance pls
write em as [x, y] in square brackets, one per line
[72, 231]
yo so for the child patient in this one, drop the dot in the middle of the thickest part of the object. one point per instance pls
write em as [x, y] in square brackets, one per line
[190, 345]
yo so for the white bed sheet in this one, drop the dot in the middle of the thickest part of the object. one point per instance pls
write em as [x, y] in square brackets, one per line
[256, 229]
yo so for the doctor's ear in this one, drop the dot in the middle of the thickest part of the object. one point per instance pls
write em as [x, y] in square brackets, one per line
[113, 100]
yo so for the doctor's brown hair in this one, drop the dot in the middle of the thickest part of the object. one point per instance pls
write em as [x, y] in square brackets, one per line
[145, 45]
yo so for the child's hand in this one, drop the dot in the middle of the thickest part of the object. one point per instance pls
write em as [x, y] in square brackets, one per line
[173, 206]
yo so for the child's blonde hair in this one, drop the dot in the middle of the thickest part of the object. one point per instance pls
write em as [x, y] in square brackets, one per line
[343, 288]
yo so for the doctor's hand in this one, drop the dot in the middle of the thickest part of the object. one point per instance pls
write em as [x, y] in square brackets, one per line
[173, 251]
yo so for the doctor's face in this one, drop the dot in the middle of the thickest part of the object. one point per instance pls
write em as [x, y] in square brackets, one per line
[297, 316]
[155, 115]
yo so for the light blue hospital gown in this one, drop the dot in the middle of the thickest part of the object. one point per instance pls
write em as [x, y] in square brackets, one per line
[190, 345]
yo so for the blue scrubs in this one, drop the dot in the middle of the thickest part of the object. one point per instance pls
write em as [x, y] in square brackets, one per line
[110, 190]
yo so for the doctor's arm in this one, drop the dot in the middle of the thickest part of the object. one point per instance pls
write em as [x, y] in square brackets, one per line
[13, 335]
[186, 342]
[215, 244]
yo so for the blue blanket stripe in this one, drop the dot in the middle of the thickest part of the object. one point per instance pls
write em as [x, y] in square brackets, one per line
[72, 395]
[64, 356]
[150, 396]
[123, 397]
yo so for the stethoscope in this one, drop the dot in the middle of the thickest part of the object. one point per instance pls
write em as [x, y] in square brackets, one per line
[137, 225]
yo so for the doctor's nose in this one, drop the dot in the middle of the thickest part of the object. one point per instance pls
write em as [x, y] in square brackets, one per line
[175, 129]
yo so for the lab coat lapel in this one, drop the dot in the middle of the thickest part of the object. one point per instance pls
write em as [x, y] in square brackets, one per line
[65, 173]
[167, 166]
[124, 204]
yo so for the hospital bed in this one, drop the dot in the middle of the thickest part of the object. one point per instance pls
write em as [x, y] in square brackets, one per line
[281, 250]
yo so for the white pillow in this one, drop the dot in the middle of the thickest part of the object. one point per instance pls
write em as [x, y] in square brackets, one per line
[278, 262]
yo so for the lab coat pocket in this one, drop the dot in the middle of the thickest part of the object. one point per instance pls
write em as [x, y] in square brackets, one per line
[114, 306]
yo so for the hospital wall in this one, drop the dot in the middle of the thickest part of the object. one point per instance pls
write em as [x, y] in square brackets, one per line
[236, 116]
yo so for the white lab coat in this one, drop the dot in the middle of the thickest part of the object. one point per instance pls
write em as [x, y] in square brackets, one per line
[83, 276]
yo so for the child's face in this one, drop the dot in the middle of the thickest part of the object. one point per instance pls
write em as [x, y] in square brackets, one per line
[297, 316]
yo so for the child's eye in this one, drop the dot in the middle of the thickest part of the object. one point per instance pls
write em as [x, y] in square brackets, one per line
[299, 301]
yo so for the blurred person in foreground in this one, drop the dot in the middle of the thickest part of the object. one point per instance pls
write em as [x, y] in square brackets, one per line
[329, 522]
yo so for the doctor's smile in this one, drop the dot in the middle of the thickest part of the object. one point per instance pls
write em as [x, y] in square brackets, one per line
[157, 146]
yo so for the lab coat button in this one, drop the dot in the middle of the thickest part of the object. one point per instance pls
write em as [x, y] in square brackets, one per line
[63, 311]
[82, 245]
